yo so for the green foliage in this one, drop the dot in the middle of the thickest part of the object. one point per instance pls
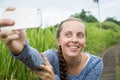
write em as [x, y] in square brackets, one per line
[10, 68]
[45, 38]
[110, 25]
[113, 20]
[100, 39]
[118, 72]
[84, 17]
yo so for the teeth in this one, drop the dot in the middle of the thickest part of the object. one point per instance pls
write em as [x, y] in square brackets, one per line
[74, 46]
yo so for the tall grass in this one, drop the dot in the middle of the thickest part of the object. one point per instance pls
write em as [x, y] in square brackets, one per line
[117, 65]
[100, 39]
[118, 72]
[42, 39]
[11, 69]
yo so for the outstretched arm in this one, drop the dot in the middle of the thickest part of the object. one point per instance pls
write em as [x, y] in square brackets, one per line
[30, 57]
[16, 42]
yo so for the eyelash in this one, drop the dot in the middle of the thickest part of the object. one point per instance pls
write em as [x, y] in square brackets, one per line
[79, 35]
[68, 34]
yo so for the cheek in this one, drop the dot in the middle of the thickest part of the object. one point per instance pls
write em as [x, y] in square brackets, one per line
[63, 41]
[83, 42]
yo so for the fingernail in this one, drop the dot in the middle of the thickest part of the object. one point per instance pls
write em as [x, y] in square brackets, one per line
[11, 22]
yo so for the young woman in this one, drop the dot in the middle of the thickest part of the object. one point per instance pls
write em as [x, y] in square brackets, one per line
[69, 62]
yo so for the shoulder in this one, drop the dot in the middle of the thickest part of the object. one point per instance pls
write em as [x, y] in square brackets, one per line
[94, 58]
[51, 55]
[95, 61]
[50, 52]
[94, 67]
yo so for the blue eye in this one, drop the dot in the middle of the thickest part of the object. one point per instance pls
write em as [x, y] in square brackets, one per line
[80, 35]
[68, 34]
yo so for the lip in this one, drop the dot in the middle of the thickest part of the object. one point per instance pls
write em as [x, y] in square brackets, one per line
[73, 48]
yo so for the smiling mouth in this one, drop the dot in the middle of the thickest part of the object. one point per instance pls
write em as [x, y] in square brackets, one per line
[73, 46]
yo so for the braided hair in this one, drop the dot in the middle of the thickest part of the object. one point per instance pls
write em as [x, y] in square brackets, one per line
[62, 65]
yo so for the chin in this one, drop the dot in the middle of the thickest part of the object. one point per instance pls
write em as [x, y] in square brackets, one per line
[72, 54]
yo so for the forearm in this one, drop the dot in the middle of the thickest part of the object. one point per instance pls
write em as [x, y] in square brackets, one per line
[30, 57]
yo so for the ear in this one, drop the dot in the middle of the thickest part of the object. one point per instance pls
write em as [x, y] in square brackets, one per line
[58, 42]
[84, 45]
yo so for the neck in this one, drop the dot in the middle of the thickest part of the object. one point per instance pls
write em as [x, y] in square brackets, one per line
[74, 62]
[76, 65]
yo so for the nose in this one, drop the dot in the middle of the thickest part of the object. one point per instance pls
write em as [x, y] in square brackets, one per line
[74, 39]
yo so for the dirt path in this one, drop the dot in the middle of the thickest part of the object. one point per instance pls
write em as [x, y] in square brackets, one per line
[111, 58]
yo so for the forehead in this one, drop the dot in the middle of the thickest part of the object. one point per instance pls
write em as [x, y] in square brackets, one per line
[73, 26]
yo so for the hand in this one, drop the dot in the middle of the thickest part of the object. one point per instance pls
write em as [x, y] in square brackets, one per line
[46, 71]
[15, 40]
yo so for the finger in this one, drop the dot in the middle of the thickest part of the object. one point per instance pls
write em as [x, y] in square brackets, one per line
[5, 33]
[40, 73]
[21, 33]
[42, 66]
[10, 38]
[2, 36]
[43, 74]
[45, 68]
[6, 22]
[10, 9]
[47, 63]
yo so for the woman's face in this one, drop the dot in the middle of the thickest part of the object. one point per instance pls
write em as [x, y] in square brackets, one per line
[72, 38]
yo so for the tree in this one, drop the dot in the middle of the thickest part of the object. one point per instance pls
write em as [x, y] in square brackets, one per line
[112, 20]
[97, 1]
[84, 17]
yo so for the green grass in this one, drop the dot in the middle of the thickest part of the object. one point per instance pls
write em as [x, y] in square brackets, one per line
[118, 65]
[100, 39]
[118, 72]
